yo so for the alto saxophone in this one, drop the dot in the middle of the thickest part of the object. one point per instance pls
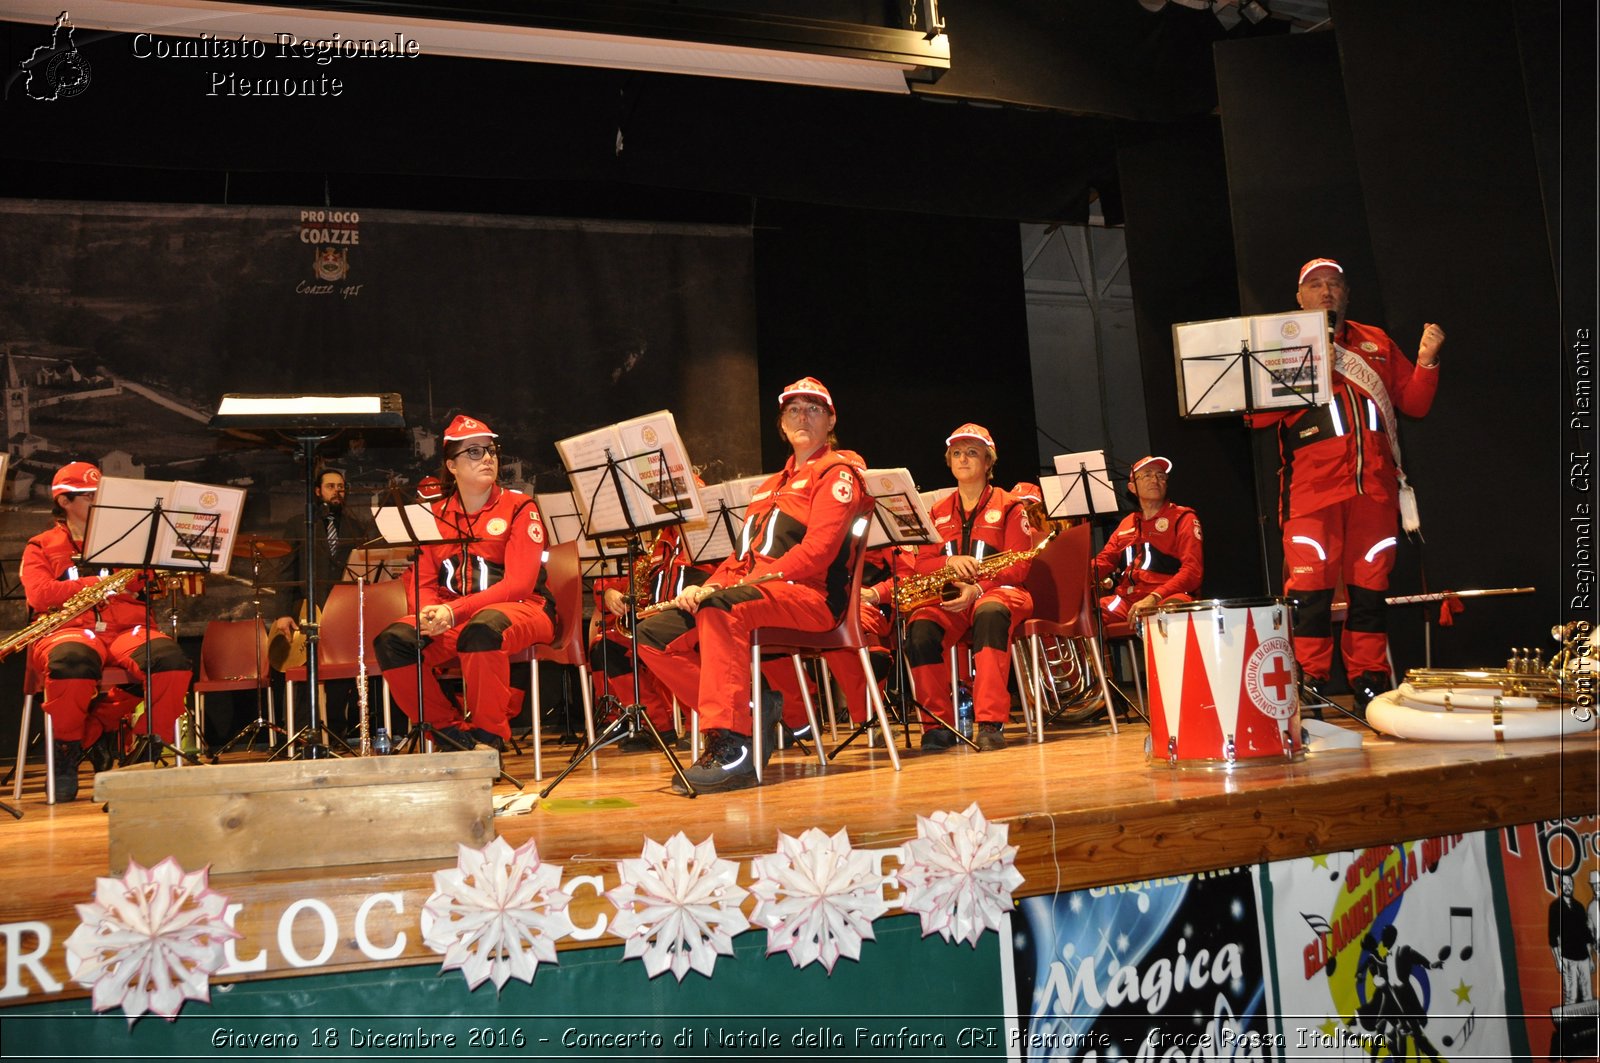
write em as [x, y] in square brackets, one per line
[926, 589]
[94, 594]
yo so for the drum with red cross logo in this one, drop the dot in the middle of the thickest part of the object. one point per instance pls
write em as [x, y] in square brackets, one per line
[1222, 683]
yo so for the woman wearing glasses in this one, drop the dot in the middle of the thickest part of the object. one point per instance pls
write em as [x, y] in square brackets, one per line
[481, 600]
[792, 570]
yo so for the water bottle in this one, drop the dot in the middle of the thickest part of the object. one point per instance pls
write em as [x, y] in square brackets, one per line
[964, 710]
[380, 743]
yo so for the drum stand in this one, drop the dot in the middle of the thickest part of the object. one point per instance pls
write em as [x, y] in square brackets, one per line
[250, 730]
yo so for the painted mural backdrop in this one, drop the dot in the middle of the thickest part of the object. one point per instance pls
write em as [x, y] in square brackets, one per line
[1166, 969]
[1392, 951]
[121, 325]
[1552, 876]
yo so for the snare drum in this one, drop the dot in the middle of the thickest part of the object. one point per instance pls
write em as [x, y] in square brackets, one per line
[1223, 685]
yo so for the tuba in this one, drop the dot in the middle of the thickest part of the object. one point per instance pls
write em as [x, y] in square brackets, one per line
[918, 591]
[94, 594]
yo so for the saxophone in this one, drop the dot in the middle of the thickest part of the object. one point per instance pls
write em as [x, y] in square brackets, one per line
[94, 594]
[918, 591]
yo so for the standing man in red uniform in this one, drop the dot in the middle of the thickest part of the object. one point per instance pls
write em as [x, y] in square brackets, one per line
[113, 632]
[792, 570]
[1340, 485]
[480, 601]
[978, 520]
[1154, 553]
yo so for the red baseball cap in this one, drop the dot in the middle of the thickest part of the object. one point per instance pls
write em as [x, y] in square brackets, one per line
[806, 385]
[1165, 463]
[971, 431]
[1318, 263]
[1029, 492]
[78, 477]
[464, 427]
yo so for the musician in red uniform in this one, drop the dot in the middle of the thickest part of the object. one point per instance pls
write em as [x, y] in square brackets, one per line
[668, 571]
[1340, 485]
[793, 571]
[481, 601]
[978, 520]
[1155, 554]
[114, 632]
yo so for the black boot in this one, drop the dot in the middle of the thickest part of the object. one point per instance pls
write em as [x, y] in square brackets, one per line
[102, 752]
[67, 756]
[1367, 686]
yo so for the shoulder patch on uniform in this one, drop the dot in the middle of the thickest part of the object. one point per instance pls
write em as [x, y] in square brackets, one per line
[1197, 529]
[536, 530]
[844, 490]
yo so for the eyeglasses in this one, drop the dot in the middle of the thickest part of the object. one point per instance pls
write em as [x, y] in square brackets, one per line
[796, 411]
[477, 452]
[970, 453]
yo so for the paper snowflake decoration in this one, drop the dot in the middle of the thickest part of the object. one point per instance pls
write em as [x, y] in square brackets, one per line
[817, 897]
[678, 907]
[150, 940]
[497, 914]
[958, 874]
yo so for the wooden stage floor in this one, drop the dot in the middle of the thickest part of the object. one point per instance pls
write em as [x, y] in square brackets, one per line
[1084, 808]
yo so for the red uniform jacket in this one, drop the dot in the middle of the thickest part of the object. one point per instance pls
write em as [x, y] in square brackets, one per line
[1334, 452]
[996, 524]
[51, 574]
[504, 564]
[1156, 555]
[798, 526]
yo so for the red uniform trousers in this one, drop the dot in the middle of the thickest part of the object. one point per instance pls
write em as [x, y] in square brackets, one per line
[1353, 540]
[613, 674]
[845, 665]
[485, 655]
[991, 702]
[716, 681]
[72, 681]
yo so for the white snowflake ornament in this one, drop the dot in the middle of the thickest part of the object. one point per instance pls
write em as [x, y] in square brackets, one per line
[151, 940]
[678, 907]
[817, 897]
[958, 874]
[497, 914]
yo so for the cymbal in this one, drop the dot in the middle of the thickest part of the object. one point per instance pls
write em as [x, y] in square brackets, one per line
[260, 546]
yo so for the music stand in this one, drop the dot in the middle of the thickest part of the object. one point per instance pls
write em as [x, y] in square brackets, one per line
[614, 502]
[131, 526]
[900, 518]
[1257, 364]
[309, 419]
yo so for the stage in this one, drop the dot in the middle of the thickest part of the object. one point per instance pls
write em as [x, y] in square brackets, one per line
[1084, 809]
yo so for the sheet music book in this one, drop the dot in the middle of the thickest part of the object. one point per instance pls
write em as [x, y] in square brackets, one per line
[716, 535]
[195, 529]
[900, 515]
[1064, 494]
[1288, 367]
[656, 482]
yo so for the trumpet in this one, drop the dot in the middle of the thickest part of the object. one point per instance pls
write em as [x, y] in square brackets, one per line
[926, 589]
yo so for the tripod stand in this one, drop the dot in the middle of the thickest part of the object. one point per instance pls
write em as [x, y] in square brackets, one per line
[631, 719]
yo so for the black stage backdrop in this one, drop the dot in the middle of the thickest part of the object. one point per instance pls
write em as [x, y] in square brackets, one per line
[124, 324]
